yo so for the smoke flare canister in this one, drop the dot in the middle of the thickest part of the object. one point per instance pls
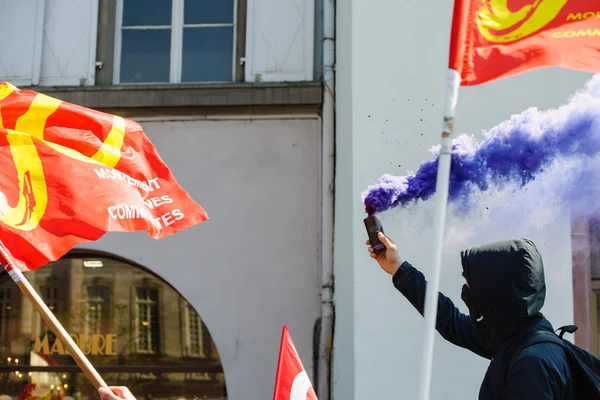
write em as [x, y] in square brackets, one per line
[373, 225]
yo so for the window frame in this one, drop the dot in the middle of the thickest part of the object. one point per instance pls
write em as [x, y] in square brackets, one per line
[150, 287]
[106, 303]
[6, 310]
[191, 314]
[176, 56]
[51, 294]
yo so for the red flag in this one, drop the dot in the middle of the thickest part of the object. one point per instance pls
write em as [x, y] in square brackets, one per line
[69, 174]
[291, 381]
[493, 39]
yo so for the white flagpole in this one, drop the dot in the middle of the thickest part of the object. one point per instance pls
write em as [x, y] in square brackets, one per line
[441, 197]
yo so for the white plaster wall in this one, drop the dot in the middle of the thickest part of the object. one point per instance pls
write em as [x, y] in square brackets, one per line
[391, 61]
[255, 264]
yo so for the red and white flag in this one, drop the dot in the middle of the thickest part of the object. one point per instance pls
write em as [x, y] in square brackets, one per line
[291, 381]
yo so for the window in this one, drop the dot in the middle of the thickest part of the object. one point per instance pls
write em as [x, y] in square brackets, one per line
[51, 298]
[194, 334]
[97, 310]
[175, 41]
[51, 290]
[148, 322]
[5, 311]
[129, 315]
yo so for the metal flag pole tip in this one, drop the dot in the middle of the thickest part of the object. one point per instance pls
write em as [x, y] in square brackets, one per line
[441, 193]
[19, 278]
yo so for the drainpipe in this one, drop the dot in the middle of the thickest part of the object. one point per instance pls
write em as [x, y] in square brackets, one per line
[328, 171]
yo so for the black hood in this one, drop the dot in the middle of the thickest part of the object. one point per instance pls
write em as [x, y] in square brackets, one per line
[507, 283]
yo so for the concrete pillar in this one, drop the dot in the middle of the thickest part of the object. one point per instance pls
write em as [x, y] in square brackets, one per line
[582, 281]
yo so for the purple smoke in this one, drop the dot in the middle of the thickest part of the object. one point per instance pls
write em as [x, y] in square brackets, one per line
[515, 152]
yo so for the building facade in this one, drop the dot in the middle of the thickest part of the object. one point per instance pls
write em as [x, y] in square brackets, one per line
[232, 99]
[237, 96]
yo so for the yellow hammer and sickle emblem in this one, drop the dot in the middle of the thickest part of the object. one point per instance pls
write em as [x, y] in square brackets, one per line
[498, 24]
[33, 191]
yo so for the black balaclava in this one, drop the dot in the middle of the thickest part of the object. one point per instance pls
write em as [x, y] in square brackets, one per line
[506, 285]
[467, 297]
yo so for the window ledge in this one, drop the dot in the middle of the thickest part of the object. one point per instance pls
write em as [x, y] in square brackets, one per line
[188, 95]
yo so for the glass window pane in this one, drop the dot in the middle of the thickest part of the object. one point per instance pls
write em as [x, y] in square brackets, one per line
[171, 366]
[208, 12]
[207, 54]
[147, 12]
[145, 55]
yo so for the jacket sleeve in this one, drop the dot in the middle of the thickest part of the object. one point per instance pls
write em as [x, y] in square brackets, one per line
[453, 325]
[531, 376]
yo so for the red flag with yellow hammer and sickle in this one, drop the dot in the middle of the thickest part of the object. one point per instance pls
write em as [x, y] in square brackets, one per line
[69, 174]
[494, 39]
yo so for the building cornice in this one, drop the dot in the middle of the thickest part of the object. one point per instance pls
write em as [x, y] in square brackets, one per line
[205, 95]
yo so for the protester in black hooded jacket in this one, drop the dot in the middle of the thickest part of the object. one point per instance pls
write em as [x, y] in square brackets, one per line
[504, 291]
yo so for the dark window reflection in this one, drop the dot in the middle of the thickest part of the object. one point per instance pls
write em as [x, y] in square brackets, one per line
[208, 12]
[135, 329]
[146, 56]
[207, 54]
[147, 12]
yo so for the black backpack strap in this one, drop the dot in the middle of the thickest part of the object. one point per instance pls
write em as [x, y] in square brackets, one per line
[536, 337]
[566, 329]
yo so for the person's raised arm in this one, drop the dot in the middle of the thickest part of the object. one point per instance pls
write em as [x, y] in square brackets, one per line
[453, 325]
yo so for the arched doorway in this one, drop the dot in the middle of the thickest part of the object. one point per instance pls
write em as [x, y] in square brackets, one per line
[133, 326]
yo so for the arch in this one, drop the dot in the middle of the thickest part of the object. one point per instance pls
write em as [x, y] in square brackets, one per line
[135, 327]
